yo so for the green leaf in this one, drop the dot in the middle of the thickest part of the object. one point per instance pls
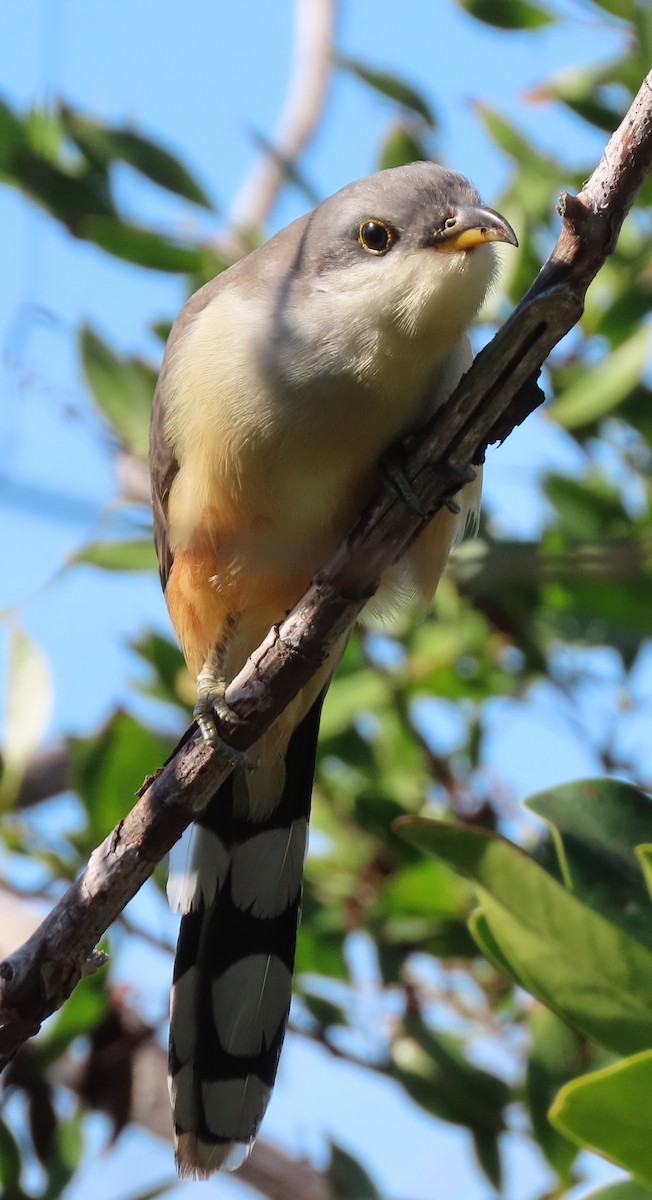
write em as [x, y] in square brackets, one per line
[103, 145]
[607, 816]
[430, 888]
[12, 138]
[625, 1189]
[323, 1011]
[579, 89]
[644, 856]
[69, 197]
[579, 964]
[365, 691]
[43, 130]
[141, 246]
[27, 712]
[627, 311]
[626, 9]
[554, 1058]
[599, 390]
[487, 1148]
[509, 14]
[589, 510]
[483, 937]
[65, 1157]
[609, 1112]
[10, 1164]
[435, 1073]
[122, 387]
[401, 146]
[137, 554]
[390, 86]
[595, 825]
[107, 769]
[80, 1015]
[347, 1179]
[513, 142]
[168, 669]
[320, 952]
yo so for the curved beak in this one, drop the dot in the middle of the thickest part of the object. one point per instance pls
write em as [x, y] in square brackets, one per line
[472, 225]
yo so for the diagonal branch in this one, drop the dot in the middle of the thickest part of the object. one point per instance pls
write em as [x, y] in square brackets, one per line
[497, 394]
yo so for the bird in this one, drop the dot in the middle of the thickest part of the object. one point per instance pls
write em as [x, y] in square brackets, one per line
[284, 381]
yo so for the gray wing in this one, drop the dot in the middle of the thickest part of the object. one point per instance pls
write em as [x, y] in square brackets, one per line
[163, 467]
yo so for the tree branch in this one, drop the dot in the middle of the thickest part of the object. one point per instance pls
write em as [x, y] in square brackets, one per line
[496, 395]
[312, 60]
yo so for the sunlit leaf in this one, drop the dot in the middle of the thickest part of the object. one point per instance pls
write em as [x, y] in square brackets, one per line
[619, 8]
[625, 1189]
[430, 888]
[599, 390]
[644, 856]
[579, 964]
[135, 555]
[609, 1112]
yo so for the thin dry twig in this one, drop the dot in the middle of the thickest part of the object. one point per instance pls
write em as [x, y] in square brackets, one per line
[312, 61]
[497, 394]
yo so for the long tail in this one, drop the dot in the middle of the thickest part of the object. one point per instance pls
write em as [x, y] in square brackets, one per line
[235, 956]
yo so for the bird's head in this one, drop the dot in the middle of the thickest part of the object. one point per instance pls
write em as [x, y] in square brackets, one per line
[415, 243]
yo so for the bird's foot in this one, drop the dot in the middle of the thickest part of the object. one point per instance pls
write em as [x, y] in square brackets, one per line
[211, 704]
[393, 472]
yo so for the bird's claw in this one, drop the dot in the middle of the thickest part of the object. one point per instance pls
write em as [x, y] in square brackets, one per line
[393, 472]
[211, 704]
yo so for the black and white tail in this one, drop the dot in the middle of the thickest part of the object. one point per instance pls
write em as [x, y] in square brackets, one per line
[240, 893]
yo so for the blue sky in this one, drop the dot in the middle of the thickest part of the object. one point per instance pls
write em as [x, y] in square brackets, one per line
[200, 76]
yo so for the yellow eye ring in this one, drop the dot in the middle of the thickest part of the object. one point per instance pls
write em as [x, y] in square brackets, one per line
[376, 237]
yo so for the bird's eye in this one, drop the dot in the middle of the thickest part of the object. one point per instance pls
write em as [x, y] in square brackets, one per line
[450, 223]
[376, 236]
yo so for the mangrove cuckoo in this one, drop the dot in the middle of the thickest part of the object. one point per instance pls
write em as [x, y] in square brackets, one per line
[284, 381]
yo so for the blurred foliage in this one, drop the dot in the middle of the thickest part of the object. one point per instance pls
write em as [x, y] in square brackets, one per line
[522, 625]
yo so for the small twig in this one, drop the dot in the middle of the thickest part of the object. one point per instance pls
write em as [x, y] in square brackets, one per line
[304, 104]
[496, 394]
